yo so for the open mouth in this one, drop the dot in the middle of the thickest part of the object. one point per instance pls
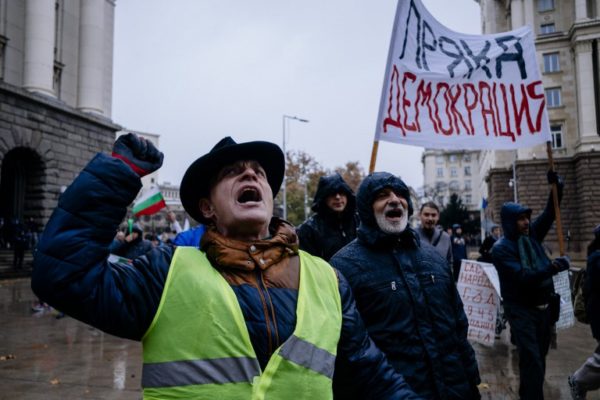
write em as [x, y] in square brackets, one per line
[249, 195]
[394, 213]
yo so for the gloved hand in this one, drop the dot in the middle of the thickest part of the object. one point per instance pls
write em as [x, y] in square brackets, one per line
[561, 264]
[553, 177]
[139, 153]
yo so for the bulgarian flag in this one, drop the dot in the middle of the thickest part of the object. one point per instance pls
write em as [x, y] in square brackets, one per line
[149, 203]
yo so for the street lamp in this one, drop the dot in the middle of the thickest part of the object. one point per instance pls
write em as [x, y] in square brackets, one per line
[284, 119]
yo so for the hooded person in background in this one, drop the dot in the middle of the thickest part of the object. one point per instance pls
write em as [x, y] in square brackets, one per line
[406, 295]
[246, 316]
[587, 377]
[527, 289]
[334, 223]
[486, 247]
[133, 245]
[459, 249]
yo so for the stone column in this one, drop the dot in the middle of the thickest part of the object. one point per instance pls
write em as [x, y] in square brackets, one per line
[529, 12]
[38, 61]
[91, 51]
[516, 14]
[585, 90]
[580, 10]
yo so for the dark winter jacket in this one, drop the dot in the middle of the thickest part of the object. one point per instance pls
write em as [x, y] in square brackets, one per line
[71, 272]
[592, 291]
[325, 232]
[409, 302]
[521, 286]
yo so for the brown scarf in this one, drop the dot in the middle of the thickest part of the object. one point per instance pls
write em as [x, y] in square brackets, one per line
[242, 255]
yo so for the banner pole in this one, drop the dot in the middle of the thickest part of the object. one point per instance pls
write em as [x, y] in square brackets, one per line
[559, 232]
[373, 156]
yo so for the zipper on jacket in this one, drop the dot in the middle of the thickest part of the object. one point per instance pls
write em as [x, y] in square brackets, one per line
[393, 285]
[432, 278]
[262, 293]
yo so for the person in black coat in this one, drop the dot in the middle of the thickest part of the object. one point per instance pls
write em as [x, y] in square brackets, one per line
[486, 247]
[407, 296]
[525, 273]
[587, 377]
[133, 246]
[334, 223]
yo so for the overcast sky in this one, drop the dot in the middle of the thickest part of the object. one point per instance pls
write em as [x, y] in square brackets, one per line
[194, 71]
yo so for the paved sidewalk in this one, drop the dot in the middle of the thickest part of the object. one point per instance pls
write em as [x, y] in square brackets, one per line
[45, 358]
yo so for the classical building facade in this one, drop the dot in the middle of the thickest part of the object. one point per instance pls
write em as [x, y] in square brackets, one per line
[452, 172]
[55, 98]
[567, 33]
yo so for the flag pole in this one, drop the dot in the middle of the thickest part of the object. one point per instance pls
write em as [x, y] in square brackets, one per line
[373, 156]
[559, 232]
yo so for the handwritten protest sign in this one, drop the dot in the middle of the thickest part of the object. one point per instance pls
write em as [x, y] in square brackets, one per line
[561, 286]
[443, 89]
[480, 300]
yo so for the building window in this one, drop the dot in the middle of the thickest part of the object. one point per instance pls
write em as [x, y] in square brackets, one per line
[545, 29]
[467, 158]
[468, 185]
[439, 159]
[440, 172]
[453, 172]
[467, 170]
[468, 199]
[545, 5]
[454, 186]
[551, 62]
[553, 97]
[557, 136]
[453, 158]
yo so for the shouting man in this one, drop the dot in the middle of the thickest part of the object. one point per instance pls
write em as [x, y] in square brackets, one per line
[406, 295]
[246, 316]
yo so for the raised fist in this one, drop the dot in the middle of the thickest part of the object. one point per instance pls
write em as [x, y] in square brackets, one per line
[139, 153]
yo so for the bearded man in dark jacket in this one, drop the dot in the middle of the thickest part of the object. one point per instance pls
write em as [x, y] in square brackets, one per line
[334, 223]
[527, 289]
[407, 296]
[240, 291]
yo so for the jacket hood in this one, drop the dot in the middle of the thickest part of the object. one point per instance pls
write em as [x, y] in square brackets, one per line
[509, 214]
[329, 185]
[368, 230]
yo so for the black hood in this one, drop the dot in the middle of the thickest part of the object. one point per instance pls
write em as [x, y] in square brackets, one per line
[509, 214]
[369, 231]
[332, 184]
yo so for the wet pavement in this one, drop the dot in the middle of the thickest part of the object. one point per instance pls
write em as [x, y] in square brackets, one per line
[42, 357]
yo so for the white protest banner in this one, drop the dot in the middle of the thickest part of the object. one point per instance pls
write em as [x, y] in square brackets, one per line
[480, 301]
[448, 90]
[566, 317]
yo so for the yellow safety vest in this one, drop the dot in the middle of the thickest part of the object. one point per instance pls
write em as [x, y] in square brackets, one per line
[198, 345]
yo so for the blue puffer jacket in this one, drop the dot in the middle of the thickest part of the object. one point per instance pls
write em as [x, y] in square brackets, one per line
[526, 287]
[409, 302]
[71, 272]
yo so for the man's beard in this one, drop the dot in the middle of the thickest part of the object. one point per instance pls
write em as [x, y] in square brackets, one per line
[392, 227]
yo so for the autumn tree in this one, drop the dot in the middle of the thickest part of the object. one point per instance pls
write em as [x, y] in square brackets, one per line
[302, 174]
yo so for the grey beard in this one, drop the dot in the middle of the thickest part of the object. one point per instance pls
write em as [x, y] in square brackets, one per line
[392, 228]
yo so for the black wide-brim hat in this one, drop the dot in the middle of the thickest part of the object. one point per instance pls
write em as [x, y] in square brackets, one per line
[196, 180]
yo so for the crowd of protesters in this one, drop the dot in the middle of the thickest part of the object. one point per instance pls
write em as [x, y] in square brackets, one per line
[248, 294]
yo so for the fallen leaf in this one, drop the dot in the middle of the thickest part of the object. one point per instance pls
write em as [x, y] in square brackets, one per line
[483, 386]
[54, 381]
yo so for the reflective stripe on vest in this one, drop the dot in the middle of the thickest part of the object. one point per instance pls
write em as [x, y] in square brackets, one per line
[198, 344]
[198, 372]
[308, 355]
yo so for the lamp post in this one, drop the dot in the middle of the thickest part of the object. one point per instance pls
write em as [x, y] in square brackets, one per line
[284, 120]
